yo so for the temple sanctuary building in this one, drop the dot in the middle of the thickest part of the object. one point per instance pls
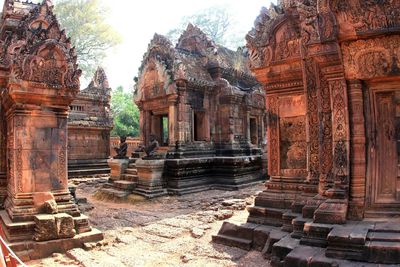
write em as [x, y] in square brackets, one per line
[330, 71]
[89, 125]
[206, 110]
[39, 79]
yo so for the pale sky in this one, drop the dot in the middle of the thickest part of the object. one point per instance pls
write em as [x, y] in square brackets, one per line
[137, 21]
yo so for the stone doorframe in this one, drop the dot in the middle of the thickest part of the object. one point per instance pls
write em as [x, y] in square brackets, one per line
[370, 89]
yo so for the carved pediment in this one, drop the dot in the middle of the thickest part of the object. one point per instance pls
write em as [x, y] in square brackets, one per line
[39, 51]
[153, 81]
[195, 41]
[275, 37]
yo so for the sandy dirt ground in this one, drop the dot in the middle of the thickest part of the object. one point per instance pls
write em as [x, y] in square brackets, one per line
[168, 231]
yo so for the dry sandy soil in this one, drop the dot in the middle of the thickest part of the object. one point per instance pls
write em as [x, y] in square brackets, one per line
[168, 231]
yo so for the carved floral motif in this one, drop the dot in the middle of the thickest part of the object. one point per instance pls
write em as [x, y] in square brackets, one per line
[366, 59]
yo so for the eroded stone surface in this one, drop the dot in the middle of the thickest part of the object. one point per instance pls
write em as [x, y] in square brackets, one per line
[132, 238]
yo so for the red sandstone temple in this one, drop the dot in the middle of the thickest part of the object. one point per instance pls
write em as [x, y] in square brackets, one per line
[39, 79]
[330, 70]
[89, 126]
[206, 110]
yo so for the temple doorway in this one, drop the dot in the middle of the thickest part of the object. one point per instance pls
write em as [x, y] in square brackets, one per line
[383, 193]
[253, 131]
[164, 130]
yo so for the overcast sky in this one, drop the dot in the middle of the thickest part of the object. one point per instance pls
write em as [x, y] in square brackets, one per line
[137, 21]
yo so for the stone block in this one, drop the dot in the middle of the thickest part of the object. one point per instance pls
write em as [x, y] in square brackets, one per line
[118, 167]
[65, 225]
[332, 211]
[45, 227]
[260, 237]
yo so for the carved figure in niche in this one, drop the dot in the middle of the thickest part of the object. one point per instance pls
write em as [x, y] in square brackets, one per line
[288, 45]
[295, 156]
[152, 148]
[122, 149]
[373, 64]
[308, 15]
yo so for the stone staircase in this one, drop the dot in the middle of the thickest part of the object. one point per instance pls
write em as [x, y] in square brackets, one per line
[305, 243]
[120, 189]
[86, 168]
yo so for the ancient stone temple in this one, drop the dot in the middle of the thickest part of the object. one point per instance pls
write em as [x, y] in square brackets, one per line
[206, 111]
[330, 70]
[89, 126]
[39, 78]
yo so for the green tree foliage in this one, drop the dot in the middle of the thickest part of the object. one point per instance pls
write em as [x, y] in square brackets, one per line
[86, 23]
[216, 22]
[125, 112]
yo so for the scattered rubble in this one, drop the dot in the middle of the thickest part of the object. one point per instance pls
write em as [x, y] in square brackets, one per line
[168, 231]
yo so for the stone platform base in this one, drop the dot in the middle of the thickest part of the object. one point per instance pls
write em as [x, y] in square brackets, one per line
[364, 243]
[152, 193]
[47, 234]
[189, 175]
[31, 250]
[86, 168]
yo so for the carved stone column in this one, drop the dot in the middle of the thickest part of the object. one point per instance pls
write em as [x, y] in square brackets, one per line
[172, 119]
[357, 150]
[146, 128]
[3, 156]
[184, 132]
[37, 153]
[206, 106]
[334, 209]
[142, 132]
[311, 90]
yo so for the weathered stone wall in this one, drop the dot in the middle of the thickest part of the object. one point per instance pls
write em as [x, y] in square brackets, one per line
[89, 126]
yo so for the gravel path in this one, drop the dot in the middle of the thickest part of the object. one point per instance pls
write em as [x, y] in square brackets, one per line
[168, 231]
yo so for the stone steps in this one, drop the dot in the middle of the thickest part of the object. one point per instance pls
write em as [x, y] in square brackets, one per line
[233, 241]
[131, 171]
[124, 185]
[130, 177]
[316, 244]
[83, 172]
[151, 193]
[115, 193]
[189, 190]
[77, 168]
[132, 165]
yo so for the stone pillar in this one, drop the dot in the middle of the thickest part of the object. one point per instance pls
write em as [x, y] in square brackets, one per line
[357, 151]
[334, 209]
[3, 141]
[37, 154]
[311, 89]
[146, 128]
[172, 119]
[273, 136]
[247, 126]
[184, 133]
[3, 156]
[142, 132]
[206, 105]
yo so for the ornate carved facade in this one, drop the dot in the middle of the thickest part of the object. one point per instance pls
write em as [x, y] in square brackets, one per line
[39, 78]
[205, 109]
[330, 70]
[89, 126]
